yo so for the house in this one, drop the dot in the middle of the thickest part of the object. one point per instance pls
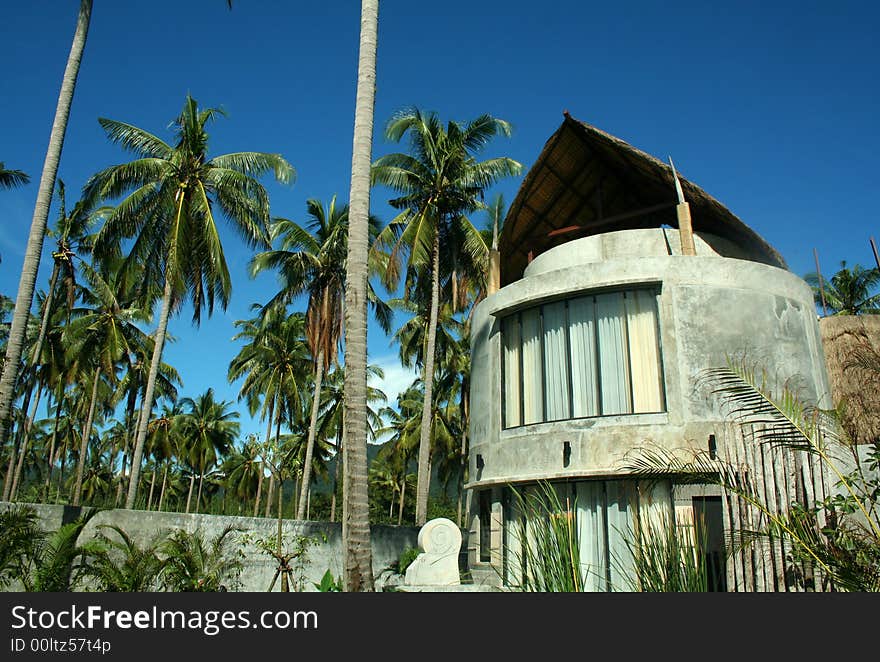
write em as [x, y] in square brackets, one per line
[618, 284]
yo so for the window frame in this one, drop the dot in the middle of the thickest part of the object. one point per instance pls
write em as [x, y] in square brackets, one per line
[654, 288]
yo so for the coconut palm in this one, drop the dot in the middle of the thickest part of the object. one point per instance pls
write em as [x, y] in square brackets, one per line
[849, 292]
[15, 343]
[440, 182]
[275, 366]
[208, 430]
[331, 424]
[70, 234]
[163, 443]
[357, 565]
[11, 178]
[130, 386]
[173, 193]
[104, 332]
[311, 261]
[243, 470]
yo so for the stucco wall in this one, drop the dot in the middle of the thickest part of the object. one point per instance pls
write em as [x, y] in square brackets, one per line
[387, 541]
[710, 307]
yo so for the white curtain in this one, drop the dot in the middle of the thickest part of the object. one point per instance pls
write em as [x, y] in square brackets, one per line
[644, 354]
[555, 362]
[533, 408]
[584, 377]
[591, 534]
[512, 383]
[610, 319]
[621, 504]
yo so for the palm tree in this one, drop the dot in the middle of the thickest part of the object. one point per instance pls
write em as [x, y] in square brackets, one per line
[243, 470]
[440, 182]
[331, 424]
[312, 261]
[130, 386]
[208, 429]
[12, 178]
[274, 365]
[174, 191]
[105, 331]
[849, 290]
[31, 265]
[70, 235]
[357, 565]
[314, 264]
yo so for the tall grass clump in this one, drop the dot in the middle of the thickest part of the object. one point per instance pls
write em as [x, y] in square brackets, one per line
[547, 558]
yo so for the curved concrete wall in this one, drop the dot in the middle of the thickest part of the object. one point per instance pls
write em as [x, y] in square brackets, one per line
[710, 307]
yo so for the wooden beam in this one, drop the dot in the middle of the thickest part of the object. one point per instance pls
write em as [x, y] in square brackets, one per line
[600, 222]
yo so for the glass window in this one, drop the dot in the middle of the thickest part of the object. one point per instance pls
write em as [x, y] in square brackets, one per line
[594, 355]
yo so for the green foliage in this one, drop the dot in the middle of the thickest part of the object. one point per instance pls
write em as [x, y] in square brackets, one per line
[849, 292]
[119, 564]
[548, 556]
[291, 562]
[665, 558]
[840, 535]
[329, 584]
[406, 558]
[191, 563]
[20, 534]
[56, 561]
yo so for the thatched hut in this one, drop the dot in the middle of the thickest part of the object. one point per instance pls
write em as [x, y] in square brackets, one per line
[852, 354]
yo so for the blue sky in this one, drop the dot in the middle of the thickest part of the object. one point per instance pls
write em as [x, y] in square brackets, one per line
[770, 107]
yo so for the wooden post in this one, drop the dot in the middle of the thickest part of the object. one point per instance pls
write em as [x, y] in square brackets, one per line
[683, 213]
[494, 283]
[821, 286]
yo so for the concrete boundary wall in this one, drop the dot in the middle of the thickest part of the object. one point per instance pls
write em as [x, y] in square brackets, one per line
[387, 541]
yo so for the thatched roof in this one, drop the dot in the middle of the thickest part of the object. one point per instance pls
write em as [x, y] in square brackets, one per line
[852, 355]
[587, 178]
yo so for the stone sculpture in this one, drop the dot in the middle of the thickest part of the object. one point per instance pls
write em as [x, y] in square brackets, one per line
[437, 565]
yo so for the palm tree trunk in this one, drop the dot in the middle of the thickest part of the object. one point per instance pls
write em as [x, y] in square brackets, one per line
[339, 446]
[400, 506]
[147, 403]
[44, 319]
[192, 478]
[199, 495]
[268, 439]
[38, 348]
[313, 430]
[61, 473]
[15, 451]
[24, 298]
[357, 553]
[269, 493]
[84, 443]
[52, 459]
[152, 489]
[162, 491]
[259, 490]
[121, 484]
[423, 483]
[26, 430]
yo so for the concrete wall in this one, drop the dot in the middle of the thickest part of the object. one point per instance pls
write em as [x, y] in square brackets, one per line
[710, 307]
[387, 541]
